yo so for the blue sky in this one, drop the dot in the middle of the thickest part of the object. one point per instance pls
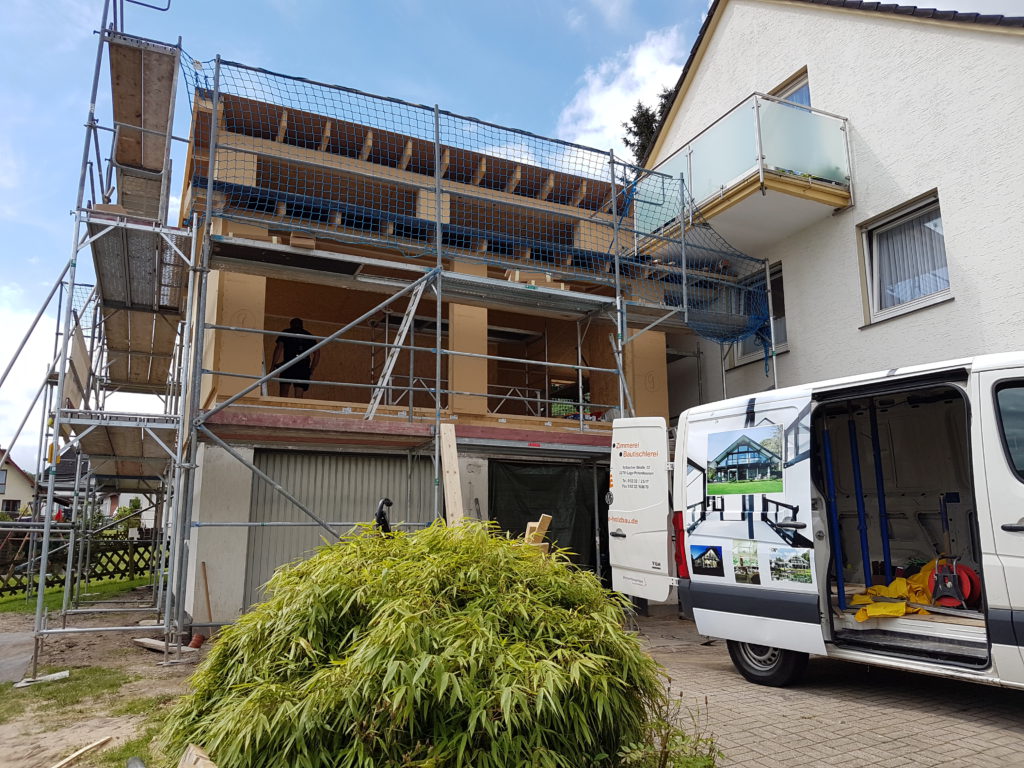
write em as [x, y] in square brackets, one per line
[566, 68]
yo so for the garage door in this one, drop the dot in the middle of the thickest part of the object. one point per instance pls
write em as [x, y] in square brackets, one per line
[336, 487]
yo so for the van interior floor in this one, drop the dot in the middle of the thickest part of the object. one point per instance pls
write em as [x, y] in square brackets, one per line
[959, 638]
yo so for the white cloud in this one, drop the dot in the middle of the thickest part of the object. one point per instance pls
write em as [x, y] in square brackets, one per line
[26, 376]
[612, 11]
[610, 90]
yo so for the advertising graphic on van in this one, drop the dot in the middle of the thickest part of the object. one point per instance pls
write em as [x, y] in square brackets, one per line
[707, 561]
[746, 461]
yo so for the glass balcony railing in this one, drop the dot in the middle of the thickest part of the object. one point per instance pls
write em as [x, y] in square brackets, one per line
[761, 135]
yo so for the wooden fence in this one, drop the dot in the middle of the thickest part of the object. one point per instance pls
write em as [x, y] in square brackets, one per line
[108, 559]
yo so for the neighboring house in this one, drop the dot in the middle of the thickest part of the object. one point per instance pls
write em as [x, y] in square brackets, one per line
[746, 459]
[889, 199]
[114, 500]
[18, 490]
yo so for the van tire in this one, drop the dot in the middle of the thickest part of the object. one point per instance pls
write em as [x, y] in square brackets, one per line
[765, 665]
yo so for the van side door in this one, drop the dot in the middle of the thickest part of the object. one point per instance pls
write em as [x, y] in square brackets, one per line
[1000, 401]
[749, 534]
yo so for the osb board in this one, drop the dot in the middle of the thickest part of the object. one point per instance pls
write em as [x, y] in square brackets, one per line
[142, 86]
[139, 347]
[647, 374]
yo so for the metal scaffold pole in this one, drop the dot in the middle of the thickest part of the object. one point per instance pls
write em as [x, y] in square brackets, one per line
[63, 357]
[439, 265]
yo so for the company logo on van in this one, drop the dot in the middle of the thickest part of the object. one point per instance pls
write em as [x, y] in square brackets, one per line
[626, 520]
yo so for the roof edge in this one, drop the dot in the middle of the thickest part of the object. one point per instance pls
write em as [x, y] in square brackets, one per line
[909, 12]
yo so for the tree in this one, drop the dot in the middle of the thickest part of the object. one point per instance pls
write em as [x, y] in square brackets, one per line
[125, 516]
[643, 126]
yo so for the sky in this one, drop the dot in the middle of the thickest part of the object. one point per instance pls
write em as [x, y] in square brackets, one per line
[572, 69]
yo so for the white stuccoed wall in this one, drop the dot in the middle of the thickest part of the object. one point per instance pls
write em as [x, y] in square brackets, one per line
[222, 493]
[930, 106]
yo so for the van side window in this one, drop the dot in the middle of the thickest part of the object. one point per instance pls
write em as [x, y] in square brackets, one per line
[1010, 402]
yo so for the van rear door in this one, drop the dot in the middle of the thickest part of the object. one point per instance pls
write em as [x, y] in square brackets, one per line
[749, 529]
[639, 544]
[1000, 396]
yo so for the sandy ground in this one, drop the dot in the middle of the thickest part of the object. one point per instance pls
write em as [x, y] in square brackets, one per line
[40, 739]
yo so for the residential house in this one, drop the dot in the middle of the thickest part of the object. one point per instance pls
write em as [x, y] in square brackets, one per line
[870, 153]
[18, 489]
[746, 459]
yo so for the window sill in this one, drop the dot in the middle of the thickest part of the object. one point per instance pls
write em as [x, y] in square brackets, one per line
[932, 301]
[739, 363]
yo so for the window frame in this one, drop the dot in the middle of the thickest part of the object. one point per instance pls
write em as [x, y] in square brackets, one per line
[999, 387]
[869, 232]
[791, 85]
[741, 358]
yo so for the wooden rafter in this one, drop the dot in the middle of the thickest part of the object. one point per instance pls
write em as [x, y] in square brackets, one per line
[406, 155]
[549, 185]
[481, 169]
[513, 180]
[282, 125]
[325, 137]
[364, 153]
[579, 194]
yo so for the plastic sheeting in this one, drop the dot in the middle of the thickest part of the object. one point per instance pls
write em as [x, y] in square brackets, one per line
[520, 493]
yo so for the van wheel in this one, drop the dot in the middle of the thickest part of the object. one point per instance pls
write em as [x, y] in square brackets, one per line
[765, 665]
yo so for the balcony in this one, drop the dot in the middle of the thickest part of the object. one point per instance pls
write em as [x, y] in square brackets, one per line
[797, 157]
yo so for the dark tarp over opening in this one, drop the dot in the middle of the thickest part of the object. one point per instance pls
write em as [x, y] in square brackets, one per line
[519, 493]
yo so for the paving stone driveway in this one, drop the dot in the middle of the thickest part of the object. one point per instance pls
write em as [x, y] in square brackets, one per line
[842, 714]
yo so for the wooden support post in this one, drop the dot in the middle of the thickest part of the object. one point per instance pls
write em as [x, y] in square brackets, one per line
[446, 159]
[450, 474]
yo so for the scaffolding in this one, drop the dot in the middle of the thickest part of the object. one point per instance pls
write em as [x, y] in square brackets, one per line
[375, 195]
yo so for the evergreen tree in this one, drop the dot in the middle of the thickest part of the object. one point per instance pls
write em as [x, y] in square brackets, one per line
[643, 126]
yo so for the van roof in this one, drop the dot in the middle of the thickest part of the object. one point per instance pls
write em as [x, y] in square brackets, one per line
[970, 364]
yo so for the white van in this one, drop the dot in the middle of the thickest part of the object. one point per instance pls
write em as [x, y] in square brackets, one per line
[780, 510]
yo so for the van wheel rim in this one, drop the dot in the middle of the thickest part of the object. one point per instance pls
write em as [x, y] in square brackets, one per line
[760, 656]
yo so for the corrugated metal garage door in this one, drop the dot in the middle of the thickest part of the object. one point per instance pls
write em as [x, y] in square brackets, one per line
[337, 487]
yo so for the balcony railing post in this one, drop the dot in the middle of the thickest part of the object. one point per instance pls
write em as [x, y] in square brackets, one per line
[757, 139]
[771, 321]
[682, 246]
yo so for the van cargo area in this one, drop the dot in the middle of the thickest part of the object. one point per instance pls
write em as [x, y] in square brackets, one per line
[893, 476]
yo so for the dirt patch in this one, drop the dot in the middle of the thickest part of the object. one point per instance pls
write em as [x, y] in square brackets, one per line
[41, 736]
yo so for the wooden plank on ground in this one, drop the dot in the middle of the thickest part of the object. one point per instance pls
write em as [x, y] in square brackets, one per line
[450, 474]
[73, 758]
[195, 757]
[152, 644]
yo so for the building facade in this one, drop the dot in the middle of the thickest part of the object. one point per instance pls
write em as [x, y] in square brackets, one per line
[886, 197]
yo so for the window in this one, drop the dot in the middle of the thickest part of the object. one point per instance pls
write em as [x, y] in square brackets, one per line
[1010, 403]
[11, 505]
[750, 348]
[796, 89]
[798, 92]
[906, 261]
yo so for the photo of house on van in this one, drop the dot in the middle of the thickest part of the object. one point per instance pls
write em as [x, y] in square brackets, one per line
[745, 461]
[744, 562]
[790, 564]
[706, 561]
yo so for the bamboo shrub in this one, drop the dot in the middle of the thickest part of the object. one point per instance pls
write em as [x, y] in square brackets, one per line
[445, 647]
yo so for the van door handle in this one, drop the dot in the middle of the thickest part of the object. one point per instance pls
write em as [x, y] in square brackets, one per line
[617, 534]
[1013, 527]
[792, 524]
